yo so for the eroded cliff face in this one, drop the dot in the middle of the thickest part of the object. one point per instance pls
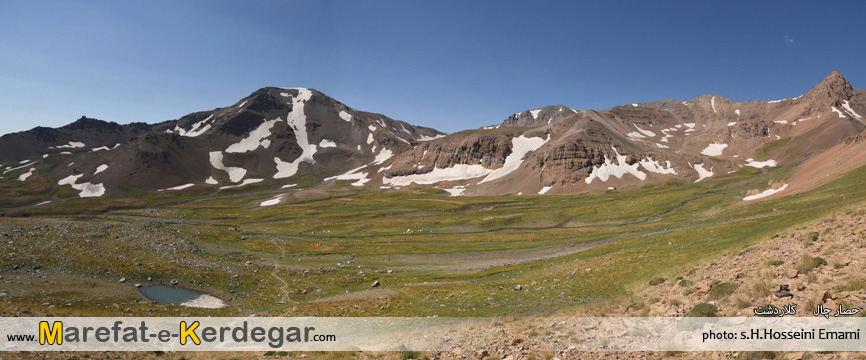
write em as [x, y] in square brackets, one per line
[488, 151]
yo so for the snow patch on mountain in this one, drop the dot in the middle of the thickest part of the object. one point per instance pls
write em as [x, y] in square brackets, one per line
[520, 146]
[244, 183]
[255, 139]
[84, 189]
[702, 173]
[765, 193]
[838, 112]
[383, 156]
[327, 143]
[298, 122]
[274, 201]
[760, 164]
[101, 168]
[653, 166]
[454, 173]
[181, 187]
[456, 191]
[71, 145]
[345, 116]
[618, 169]
[850, 110]
[428, 138]
[714, 149]
[196, 128]
[360, 178]
[645, 132]
[235, 173]
[26, 175]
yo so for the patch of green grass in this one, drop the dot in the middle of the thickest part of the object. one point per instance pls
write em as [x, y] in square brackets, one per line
[703, 310]
[657, 281]
[856, 284]
[721, 291]
[775, 262]
[808, 263]
[410, 355]
[764, 152]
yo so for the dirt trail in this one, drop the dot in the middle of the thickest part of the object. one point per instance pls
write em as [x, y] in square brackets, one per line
[285, 287]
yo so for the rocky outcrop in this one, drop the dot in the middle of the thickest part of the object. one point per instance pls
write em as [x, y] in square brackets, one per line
[544, 116]
[830, 92]
[489, 151]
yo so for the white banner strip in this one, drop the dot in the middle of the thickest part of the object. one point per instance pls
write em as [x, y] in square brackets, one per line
[427, 334]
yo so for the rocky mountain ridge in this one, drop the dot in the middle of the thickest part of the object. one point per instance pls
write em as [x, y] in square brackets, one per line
[278, 136]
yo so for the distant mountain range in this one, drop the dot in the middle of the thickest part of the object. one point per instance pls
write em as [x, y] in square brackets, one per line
[281, 137]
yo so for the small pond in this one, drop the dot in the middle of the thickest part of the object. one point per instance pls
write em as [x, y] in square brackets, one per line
[180, 296]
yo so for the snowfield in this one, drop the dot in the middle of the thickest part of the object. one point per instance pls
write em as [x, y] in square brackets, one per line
[850, 110]
[273, 201]
[205, 301]
[26, 175]
[327, 143]
[101, 168]
[608, 169]
[653, 166]
[195, 130]
[714, 149]
[345, 116]
[71, 145]
[520, 146]
[428, 138]
[255, 139]
[838, 112]
[235, 173]
[246, 182]
[20, 167]
[360, 178]
[702, 173]
[760, 164]
[456, 191]
[383, 156]
[298, 122]
[454, 173]
[766, 193]
[85, 189]
[181, 187]
[645, 132]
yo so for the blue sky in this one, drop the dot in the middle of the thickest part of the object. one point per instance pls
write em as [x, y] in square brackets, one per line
[450, 65]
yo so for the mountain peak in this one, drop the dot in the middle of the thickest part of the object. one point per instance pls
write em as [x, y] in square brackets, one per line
[829, 92]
